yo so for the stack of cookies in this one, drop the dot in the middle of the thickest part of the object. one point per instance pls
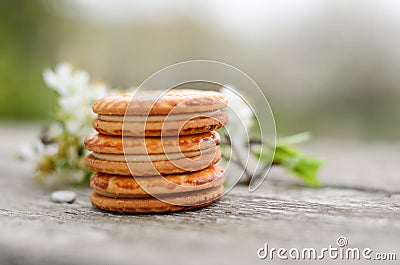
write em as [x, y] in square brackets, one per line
[156, 151]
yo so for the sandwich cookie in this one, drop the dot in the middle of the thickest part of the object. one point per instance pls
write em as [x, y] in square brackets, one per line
[152, 155]
[173, 202]
[141, 166]
[115, 186]
[101, 143]
[155, 113]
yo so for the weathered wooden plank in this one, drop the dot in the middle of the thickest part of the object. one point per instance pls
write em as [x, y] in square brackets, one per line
[232, 229]
[365, 209]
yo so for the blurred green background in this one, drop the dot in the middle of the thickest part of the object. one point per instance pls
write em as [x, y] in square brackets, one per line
[330, 67]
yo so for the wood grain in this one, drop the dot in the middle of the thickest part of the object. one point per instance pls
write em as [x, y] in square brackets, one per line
[361, 203]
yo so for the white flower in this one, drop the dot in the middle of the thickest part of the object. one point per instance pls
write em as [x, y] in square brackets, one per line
[54, 130]
[65, 81]
[76, 95]
[27, 152]
[240, 115]
[58, 79]
[36, 151]
[50, 149]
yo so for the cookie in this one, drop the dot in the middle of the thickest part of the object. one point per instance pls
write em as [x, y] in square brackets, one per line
[152, 113]
[172, 202]
[152, 168]
[199, 124]
[158, 102]
[100, 143]
[153, 157]
[117, 186]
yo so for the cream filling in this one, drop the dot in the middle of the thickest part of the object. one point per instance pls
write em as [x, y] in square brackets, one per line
[152, 118]
[151, 157]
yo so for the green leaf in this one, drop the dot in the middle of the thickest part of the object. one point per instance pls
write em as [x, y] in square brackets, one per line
[303, 166]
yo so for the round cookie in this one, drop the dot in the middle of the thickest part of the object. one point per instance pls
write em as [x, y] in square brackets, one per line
[129, 187]
[158, 102]
[153, 113]
[152, 168]
[155, 157]
[151, 145]
[197, 125]
[182, 201]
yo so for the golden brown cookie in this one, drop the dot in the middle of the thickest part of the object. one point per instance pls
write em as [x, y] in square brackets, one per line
[156, 113]
[151, 145]
[180, 201]
[149, 102]
[151, 168]
[154, 157]
[135, 187]
[200, 124]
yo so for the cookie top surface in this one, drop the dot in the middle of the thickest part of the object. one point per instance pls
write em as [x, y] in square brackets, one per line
[158, 102]
[151, 145]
